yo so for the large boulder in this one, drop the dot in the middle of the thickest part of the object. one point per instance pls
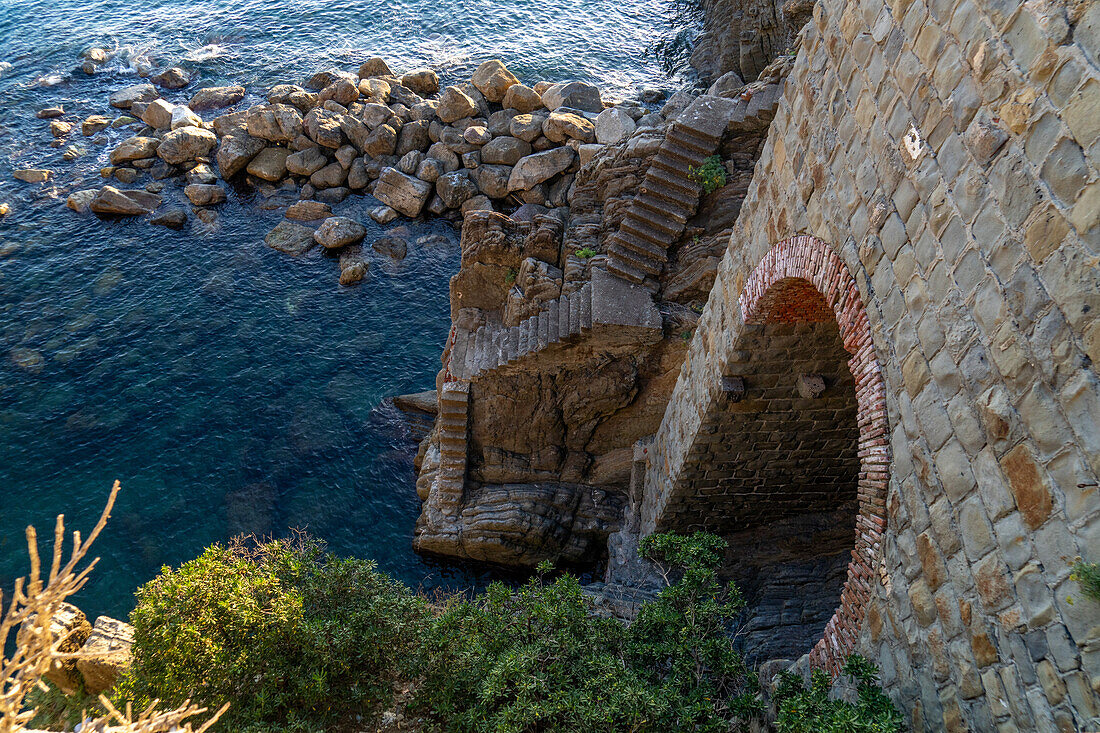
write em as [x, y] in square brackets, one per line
[413, 136]
[493, 80]
[306, 162]
[613, 126]
[111, 200]
[277, 123]
[270, 164]
[125, 98]
[540, 167]
[330, 176]
[526, 127]
[401, 192]
[381, 141]
[505, 151]
[454, 105]
[522, 98]
[237, 151]
[106, 654]
[456, 188]
[171, 78]
[421, 81]
[342, 91]
[205, 194]
[70, 627]
[561, 126]
[134, 148]
[374, 66]
[492, 179]
[339, 231]
[182, 116]
[81, 201]
[573, 94]
[186, 143]
[323, 127]
[291, 238]
[216, 97]
[158, 115]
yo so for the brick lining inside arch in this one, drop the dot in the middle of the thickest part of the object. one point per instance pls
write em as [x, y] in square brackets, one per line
[792, 283]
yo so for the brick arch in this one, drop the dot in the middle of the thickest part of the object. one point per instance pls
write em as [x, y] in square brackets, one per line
[803, 280]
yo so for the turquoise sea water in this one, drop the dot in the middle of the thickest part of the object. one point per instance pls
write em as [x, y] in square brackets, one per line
[230, 387]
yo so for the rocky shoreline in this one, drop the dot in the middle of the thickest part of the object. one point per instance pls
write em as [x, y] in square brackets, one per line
[417, 147]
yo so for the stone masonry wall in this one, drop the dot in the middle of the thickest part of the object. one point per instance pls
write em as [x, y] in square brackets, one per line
[946, 153]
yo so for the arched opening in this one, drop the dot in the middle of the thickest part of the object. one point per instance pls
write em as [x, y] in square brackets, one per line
[790, 463]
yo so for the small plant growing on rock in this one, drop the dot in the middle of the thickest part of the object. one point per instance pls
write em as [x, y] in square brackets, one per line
[510, 276]
[586, 253]
[812, 710]
[1087, 575]
[711, 175]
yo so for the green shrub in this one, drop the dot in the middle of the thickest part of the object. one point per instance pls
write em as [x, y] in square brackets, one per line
[295, 638]
[537, 659]
[810, 710]
[585, 253]
[711, 175]
[1087, 575]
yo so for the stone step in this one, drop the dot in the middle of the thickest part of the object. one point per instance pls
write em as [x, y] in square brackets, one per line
[544, 330]
[575, 313]
[635, 261]
[453, 422]
[524, 339]
[693, 138]
[670, 228]
[661, 236]
[651, 188]
[553, 334]
[673, 165]
[658, 180]
[586, 306]
[563, 317]
[621, 269]
[642, 247]
[689, 155]
[663, 209]
[455, 392]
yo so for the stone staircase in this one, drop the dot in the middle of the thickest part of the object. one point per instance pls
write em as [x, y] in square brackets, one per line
[450, 479]
[669, 194]
[491, 347]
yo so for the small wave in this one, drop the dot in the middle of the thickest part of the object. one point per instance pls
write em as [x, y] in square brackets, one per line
[4, 66]
[207, 52]
[51, 79]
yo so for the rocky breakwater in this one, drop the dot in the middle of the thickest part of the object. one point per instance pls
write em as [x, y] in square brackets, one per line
[490, 144]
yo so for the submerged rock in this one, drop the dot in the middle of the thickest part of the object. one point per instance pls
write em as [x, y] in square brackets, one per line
[339, 231]
[394, 247]
[111, 200]
[173, 219]
[291, 238]
[171, 78]
[32, 175]
[353, 268]
[205, 194]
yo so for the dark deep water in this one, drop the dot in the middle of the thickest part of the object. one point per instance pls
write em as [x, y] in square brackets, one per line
[228, 386]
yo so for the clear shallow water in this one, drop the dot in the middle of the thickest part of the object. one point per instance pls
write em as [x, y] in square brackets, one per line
[228, 386]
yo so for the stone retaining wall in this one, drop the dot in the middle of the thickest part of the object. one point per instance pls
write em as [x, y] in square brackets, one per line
[945, 154]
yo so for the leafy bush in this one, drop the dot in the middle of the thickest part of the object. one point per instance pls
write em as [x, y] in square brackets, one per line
[1087, 575]
[536, 659]
[711, 175]
[585, 253]
[812, 711]
[294, 637]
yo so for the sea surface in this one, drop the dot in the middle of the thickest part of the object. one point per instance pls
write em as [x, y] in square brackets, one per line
[229, 387]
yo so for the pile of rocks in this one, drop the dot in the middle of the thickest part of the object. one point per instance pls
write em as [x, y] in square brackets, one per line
[489, 144]
[100, 652]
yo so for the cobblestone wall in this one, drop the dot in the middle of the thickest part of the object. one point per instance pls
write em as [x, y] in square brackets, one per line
[945, 154]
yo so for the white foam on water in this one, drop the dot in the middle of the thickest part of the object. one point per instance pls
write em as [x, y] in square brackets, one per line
[207, 52]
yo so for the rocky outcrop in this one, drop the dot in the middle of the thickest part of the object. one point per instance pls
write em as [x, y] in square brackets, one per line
[745, 36]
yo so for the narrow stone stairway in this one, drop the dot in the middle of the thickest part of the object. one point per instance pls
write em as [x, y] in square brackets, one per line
[669, 195]
[490, 347]
[450, 479]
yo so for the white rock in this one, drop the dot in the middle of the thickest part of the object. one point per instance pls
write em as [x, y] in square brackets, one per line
[613, 126]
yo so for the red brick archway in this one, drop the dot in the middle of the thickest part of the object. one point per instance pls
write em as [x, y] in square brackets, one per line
[803, 280]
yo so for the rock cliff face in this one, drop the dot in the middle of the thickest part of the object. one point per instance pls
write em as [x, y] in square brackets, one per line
[564, 366]
[744, 36]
